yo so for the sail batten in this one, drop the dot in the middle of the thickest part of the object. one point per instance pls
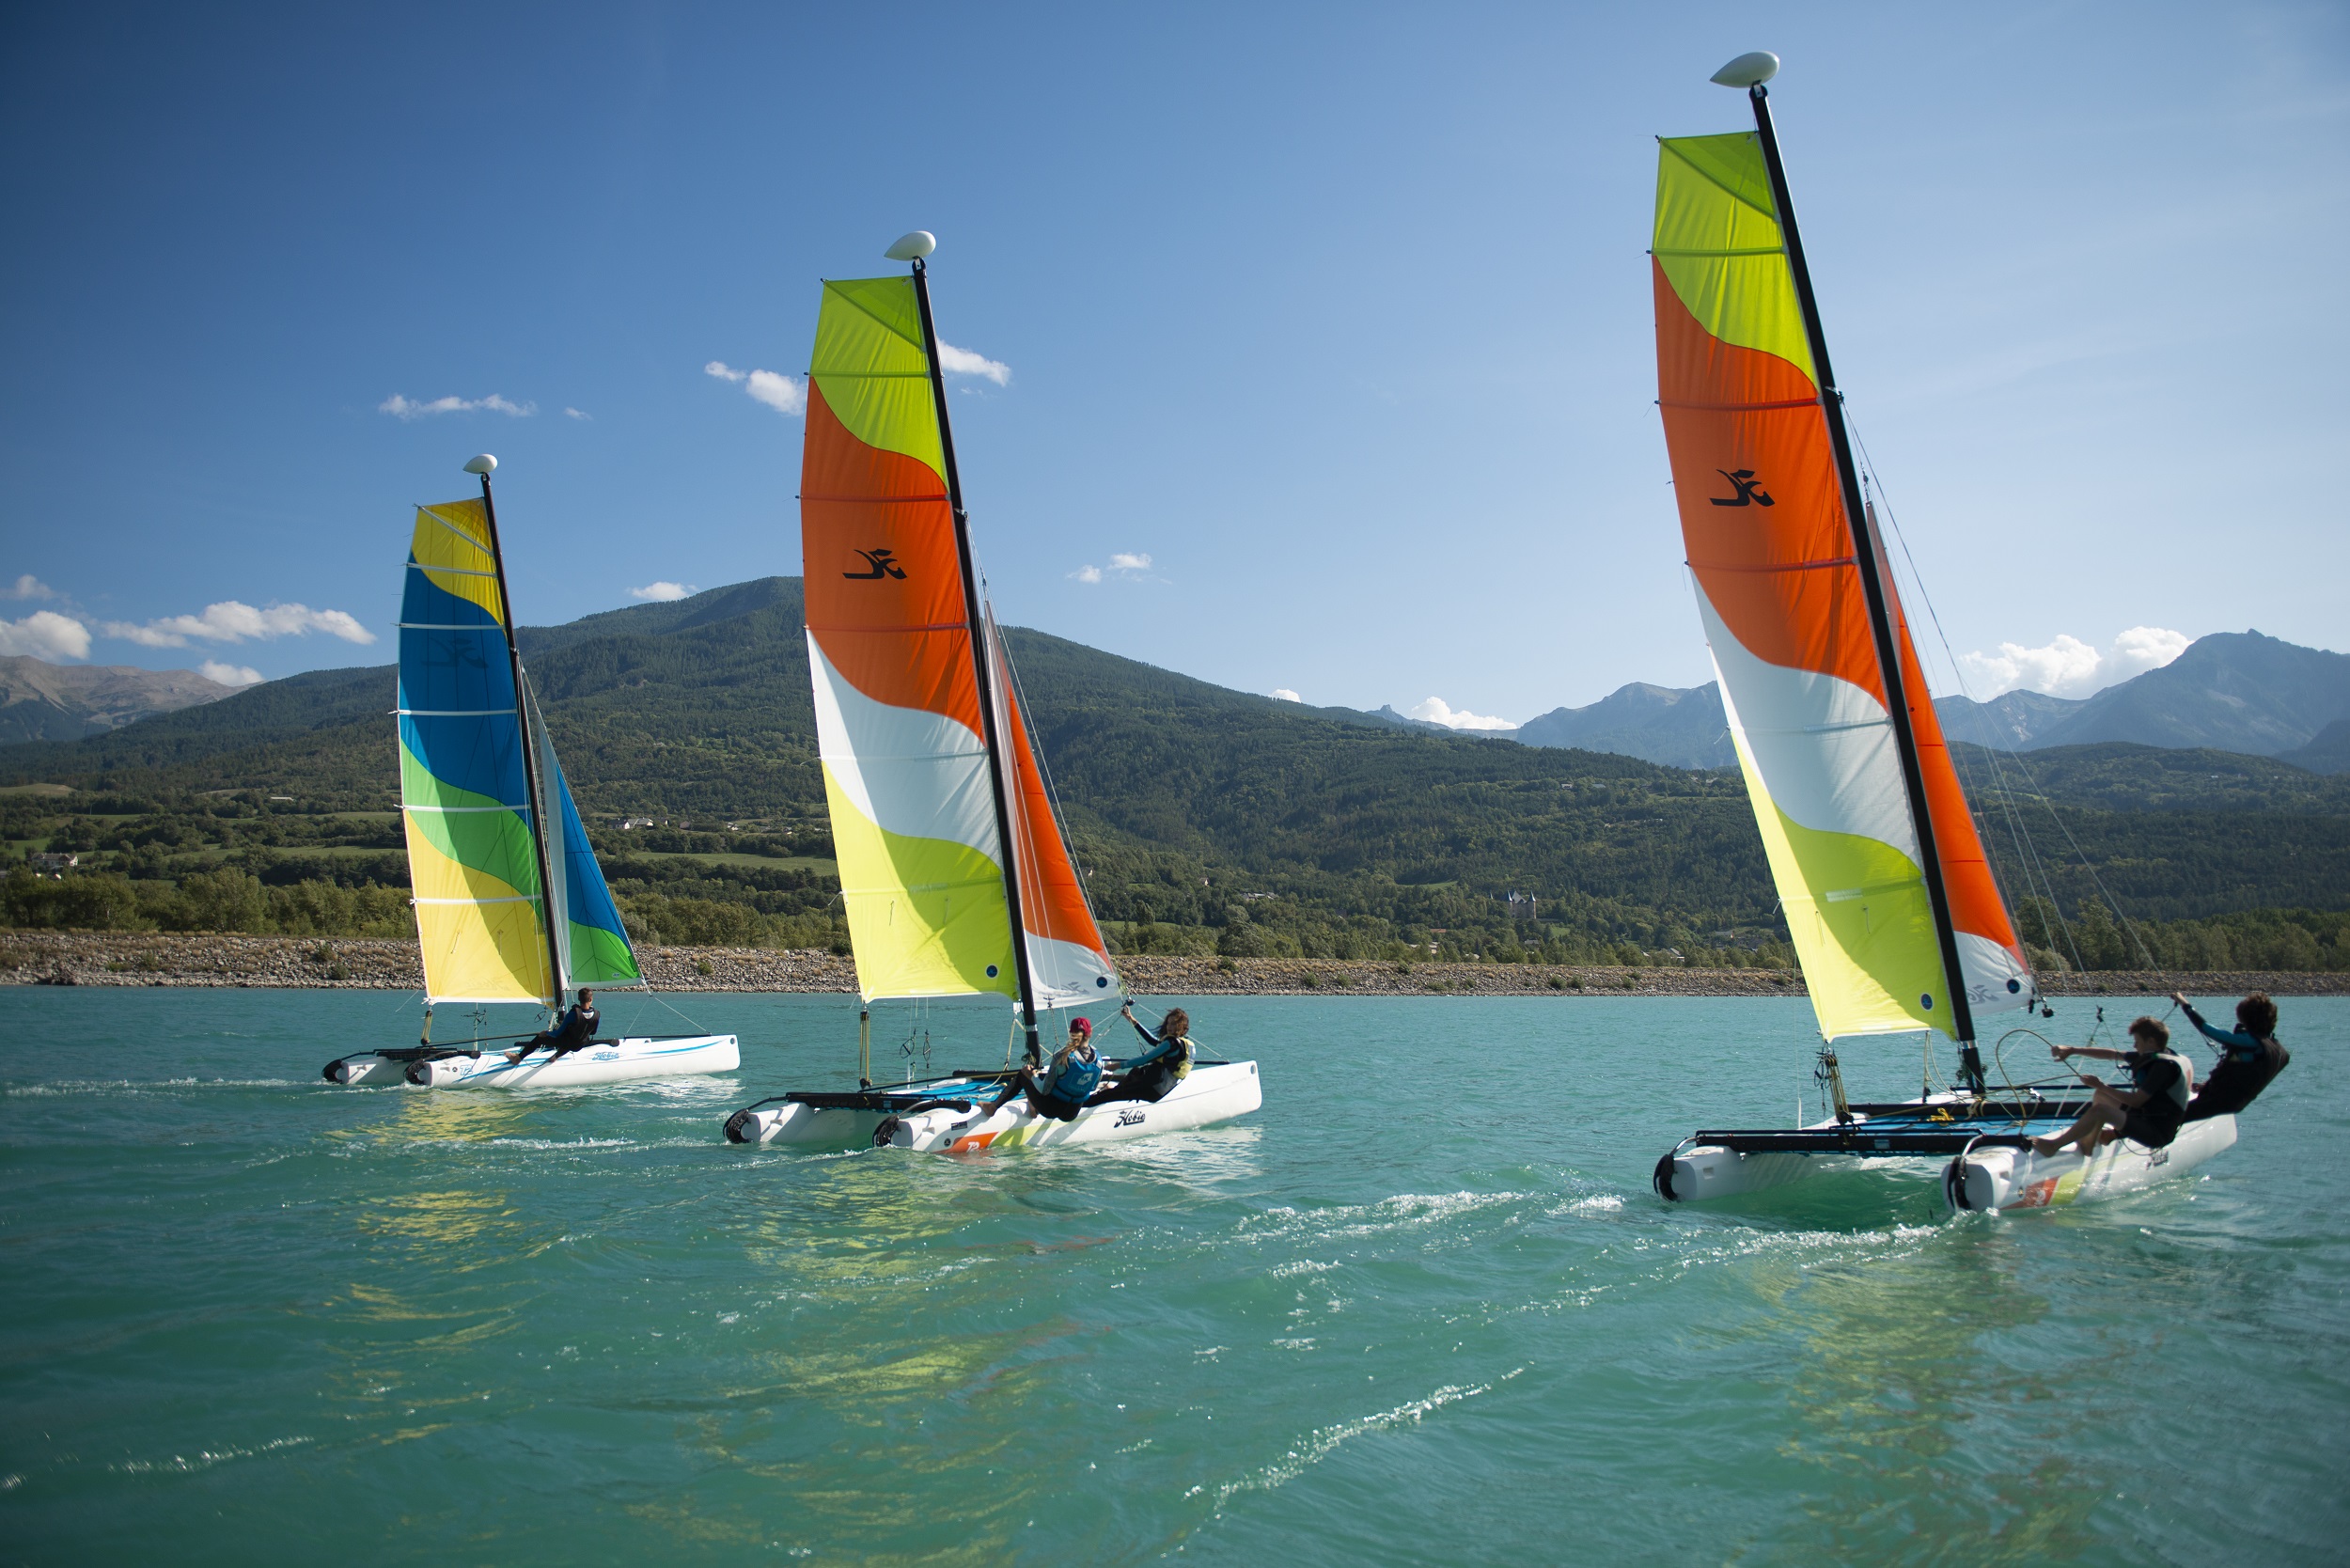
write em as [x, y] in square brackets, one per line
[1843, 761]
[933, 829]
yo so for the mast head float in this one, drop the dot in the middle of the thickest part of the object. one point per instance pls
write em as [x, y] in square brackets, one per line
[484, 466]
[913, 246]
[1749, 70]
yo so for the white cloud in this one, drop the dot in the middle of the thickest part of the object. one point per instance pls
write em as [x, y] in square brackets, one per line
[233, 622]
[1436, 711]
[962, 362]
[28, 586]
[664, 593]
[45, 635]
[1128, 564]
[780, 393]
[569, 413]
[409, 408]
[229, 675]
[1282, 693]
[2067, 667]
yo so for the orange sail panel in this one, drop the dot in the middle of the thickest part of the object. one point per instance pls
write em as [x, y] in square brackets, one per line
[1780, 595]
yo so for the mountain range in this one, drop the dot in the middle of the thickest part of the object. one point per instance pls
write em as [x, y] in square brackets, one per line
[40, 701]
[2232, 691]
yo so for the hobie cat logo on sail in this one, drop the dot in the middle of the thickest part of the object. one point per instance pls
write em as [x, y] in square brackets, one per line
[1750, 490]
[883, 565]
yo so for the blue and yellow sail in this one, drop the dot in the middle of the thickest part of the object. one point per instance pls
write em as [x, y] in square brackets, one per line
[474, 852]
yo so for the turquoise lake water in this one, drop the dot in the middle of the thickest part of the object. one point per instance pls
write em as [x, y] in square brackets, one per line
[1423, 1307]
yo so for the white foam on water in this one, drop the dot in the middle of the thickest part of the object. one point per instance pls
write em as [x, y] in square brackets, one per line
[1323, 1441]
[1404, 1211]
[188, 1464]
[1303, 1265]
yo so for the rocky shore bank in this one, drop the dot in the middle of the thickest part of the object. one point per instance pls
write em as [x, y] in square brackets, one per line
[165, 958]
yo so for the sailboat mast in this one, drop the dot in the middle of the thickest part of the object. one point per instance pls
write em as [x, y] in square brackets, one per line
[995, 754]
[530, 750]
[1869, 559]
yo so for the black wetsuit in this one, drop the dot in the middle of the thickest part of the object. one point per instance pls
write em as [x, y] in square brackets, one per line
[577, 1030]
[2246, 1065]
[1151, 1076]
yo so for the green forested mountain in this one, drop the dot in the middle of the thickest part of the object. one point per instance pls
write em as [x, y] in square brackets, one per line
[1203, 817]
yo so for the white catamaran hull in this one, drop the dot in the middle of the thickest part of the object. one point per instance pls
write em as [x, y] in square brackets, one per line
[611, 1063]
[2019, 1179]
[1211, 1094]
[1991, 1178]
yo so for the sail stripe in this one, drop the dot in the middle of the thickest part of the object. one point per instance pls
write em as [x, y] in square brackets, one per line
[1785, 611]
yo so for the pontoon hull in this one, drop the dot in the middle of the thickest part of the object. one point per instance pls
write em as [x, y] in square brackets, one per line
[2019, 1179]
[1211, 1094]
[617, 1061]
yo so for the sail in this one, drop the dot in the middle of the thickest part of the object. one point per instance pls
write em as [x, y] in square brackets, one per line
[1069, 965]
[465, 792]
[591, 941]
[1784, 608]
[890, 642]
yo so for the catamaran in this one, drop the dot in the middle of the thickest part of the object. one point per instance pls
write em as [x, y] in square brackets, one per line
[510, 905]
[1891, 904]
[930, 774]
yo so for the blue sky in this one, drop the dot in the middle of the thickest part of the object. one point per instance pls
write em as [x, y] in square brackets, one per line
[1336, 314]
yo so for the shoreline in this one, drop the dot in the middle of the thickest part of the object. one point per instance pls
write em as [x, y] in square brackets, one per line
[376, 963]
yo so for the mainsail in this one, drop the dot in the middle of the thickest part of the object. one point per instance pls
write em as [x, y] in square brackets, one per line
[485, 880]
[1844, 757]
[907, 668]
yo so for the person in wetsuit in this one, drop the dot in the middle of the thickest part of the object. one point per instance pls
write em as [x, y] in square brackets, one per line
[1165, 1062]
[1058, 1088]
[577, 1030]
[2149, 1112]
[2249, 1055]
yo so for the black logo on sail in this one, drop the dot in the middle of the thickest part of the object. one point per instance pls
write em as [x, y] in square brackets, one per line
[1750, 490]
[885, 567]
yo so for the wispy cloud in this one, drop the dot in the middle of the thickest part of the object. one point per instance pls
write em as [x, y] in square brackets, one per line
[1436, 711]
[962, 362]
[232, 620]
[28, 586]
[569, 413]
[1282, 693]
[45, 635]
[664, 593]
[2067, 667]
[778, 392]
[410, 408]
[229, 675]
[1128, 565]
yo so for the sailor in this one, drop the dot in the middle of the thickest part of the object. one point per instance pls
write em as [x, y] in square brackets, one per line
[2149, 1112]
[1164, 1063]
[2249, 1055]
[1058, 1088]
[578, 1028]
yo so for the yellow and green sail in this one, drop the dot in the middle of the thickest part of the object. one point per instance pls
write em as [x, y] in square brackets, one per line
[472, 825]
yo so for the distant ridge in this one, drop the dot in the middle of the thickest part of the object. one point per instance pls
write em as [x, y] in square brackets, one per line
[1679, 726]
[42, 701]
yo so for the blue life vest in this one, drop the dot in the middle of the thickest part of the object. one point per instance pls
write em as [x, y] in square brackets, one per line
[1080, 1074]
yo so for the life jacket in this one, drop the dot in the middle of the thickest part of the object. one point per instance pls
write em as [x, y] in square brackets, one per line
[578, 1027]
[1080, 1074]
[2239, 1078]
[2170, 1105]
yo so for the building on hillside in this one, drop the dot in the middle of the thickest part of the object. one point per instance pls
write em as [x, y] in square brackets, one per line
[1520, 905]
[629, 823]
[46, 864]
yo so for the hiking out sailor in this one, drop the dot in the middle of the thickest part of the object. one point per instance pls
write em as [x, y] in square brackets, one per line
[1165, 1062]
[1058, 1088]
[2150, 1112]
[577, 1030]
[2249, 1055]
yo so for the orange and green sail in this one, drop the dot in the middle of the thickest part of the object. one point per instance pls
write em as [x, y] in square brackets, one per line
[911, 783]
[474, 854]
[1771, 546]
